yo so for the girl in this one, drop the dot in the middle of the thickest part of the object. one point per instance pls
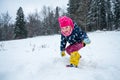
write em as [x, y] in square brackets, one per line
[77, 39]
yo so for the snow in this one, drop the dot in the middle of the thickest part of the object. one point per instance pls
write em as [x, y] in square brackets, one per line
[39, 59]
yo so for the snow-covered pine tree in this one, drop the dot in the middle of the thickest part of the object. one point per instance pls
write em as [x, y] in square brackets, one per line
[93, 15]
[96, 18]
[20, 30]
[73, 5]
[117, 14]
[109, 15]
[57, 10]
[75, 10]
[103, 23]
[78, 10]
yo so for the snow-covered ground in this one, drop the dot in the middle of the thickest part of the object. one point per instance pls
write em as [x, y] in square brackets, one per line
[39, 59]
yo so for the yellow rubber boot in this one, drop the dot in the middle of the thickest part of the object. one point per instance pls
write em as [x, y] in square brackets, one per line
[74, 58]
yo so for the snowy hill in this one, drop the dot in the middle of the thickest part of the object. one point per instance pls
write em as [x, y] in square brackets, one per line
[39, 59]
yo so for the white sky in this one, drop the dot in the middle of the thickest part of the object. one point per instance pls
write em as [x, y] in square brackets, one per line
[29, 6]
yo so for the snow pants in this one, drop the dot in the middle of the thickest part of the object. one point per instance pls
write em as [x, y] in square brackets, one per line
[74, 47]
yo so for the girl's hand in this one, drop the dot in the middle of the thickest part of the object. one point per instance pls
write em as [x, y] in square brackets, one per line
[87, 41]
[63, 53]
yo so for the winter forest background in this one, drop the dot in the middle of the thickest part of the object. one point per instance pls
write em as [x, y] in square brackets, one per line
[90, 15]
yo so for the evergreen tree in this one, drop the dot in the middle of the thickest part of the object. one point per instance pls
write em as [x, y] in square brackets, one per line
[117, 14]
[97, 15]
[20, 29]
[109, 15]
[103, 23]
[56, 24]
[73, 5]
[74, 11]
[50, 27]
[93, 15]
[78, 10]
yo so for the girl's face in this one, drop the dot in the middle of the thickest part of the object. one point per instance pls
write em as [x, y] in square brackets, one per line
[66, 31]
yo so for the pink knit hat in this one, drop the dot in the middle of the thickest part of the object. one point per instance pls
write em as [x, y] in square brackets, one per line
[65, 21]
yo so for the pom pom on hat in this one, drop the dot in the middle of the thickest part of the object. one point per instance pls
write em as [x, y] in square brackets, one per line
[65, 21]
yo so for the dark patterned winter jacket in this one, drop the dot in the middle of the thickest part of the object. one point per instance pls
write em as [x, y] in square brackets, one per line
[76, 36]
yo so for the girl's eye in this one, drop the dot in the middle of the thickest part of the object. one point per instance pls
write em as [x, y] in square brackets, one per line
[67, 27]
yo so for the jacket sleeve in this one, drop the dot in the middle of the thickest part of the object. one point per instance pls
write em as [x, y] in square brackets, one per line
[63, 43]
[82, 34]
